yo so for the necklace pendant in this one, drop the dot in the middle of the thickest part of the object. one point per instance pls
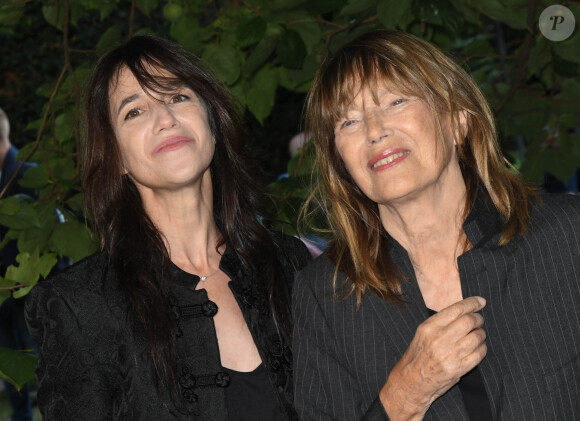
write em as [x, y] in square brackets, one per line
[203, 278]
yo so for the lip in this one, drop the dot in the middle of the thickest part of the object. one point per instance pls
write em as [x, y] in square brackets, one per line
[385, 154]
[172, 143]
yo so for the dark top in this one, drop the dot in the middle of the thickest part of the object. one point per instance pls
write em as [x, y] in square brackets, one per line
[473, 391]
[94, 363]
[249, 397]
[344, 354]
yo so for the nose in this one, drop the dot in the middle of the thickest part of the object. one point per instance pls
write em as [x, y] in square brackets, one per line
[165, 117]
[376, 127]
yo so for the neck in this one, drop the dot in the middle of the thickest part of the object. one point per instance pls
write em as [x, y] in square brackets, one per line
[185, 219]
[429, 225]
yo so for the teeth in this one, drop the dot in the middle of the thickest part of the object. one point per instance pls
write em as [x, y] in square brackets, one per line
[388, 159]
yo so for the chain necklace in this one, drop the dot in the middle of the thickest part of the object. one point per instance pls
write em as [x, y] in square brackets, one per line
[204, 278]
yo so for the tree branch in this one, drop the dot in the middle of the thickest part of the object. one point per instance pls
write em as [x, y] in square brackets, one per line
[523, 57]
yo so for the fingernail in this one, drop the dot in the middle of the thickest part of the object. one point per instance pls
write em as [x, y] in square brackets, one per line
[481, 300]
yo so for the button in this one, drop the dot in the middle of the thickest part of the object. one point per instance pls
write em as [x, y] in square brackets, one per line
[209, 308]
[222, 379]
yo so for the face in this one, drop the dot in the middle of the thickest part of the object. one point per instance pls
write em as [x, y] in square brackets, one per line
[165, 139]
[391, 149]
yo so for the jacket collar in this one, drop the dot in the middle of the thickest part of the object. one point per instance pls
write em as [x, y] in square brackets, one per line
[484, 222]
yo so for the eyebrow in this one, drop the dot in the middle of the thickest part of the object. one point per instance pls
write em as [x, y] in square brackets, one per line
[126, 101]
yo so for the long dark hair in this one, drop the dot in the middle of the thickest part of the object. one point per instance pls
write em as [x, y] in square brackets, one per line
[416, 68]
[128, 236]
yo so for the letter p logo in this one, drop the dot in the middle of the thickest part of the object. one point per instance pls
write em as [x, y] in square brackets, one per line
[557, 23]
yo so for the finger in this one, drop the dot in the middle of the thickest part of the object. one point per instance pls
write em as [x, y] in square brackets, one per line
[458, 309]
[470, 343]
[462, 326]
[472, 360]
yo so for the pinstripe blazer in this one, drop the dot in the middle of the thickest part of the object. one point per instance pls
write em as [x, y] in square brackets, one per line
[342, 356]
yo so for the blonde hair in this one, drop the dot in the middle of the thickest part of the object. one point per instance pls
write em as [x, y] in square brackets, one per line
[417, 68]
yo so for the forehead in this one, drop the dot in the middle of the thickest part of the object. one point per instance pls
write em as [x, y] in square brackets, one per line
[355, 91]
[150, 81]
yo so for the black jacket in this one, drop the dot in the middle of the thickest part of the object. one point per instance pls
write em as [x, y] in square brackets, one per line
[343, 356]
[93, 366]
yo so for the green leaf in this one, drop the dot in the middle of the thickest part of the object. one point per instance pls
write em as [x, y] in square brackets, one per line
[17, 367]
[569, 90]
[299, 80]
[64, 127]
[259, 55]
[224, 60]
[109, 38]
[539, 56]
[17, 214]
[560, 160]
[354, 7]
[35, 177]
[390, 12]
[187, 32]
[147, 5]
[31, 266]
[54, 14]
[4, 295]
[262, 93]
[303, 162]
[62, 168]
[75, 202]
[515, 17]
[321, 7]
[72, 239]
[11, 13]
[282, 5]
[239, 91]
[251, 31]
[34, 238]
[291, 49]
[309, 32]
[569, 49]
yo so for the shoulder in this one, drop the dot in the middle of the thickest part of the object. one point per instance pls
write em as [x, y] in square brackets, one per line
[319, 276]
[556, 212]
[291, 250]
[79, 285]
[559, 203]
[554, 222]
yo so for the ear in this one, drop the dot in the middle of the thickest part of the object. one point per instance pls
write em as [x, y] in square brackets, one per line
[460, 127]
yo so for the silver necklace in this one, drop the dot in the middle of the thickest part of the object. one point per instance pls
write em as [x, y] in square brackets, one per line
[203, 278]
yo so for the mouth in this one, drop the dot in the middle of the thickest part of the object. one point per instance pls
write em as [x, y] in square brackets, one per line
[388, 157]
[172, 143]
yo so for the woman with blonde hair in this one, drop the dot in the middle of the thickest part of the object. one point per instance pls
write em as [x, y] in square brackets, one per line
[433, 234]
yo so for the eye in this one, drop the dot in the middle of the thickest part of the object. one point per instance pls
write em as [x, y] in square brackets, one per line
[133, 112]
[178, 98]
[398, 101]
[347, 123]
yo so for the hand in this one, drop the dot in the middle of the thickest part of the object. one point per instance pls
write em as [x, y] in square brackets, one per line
[446, 346]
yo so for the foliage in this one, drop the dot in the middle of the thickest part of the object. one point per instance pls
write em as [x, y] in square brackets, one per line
[259, 47]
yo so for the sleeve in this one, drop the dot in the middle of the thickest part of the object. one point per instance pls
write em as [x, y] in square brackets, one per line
[324, 389]
[71, 370]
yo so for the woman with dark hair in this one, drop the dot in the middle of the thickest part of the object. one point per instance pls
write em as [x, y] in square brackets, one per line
[184, 312]
[433, 234]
